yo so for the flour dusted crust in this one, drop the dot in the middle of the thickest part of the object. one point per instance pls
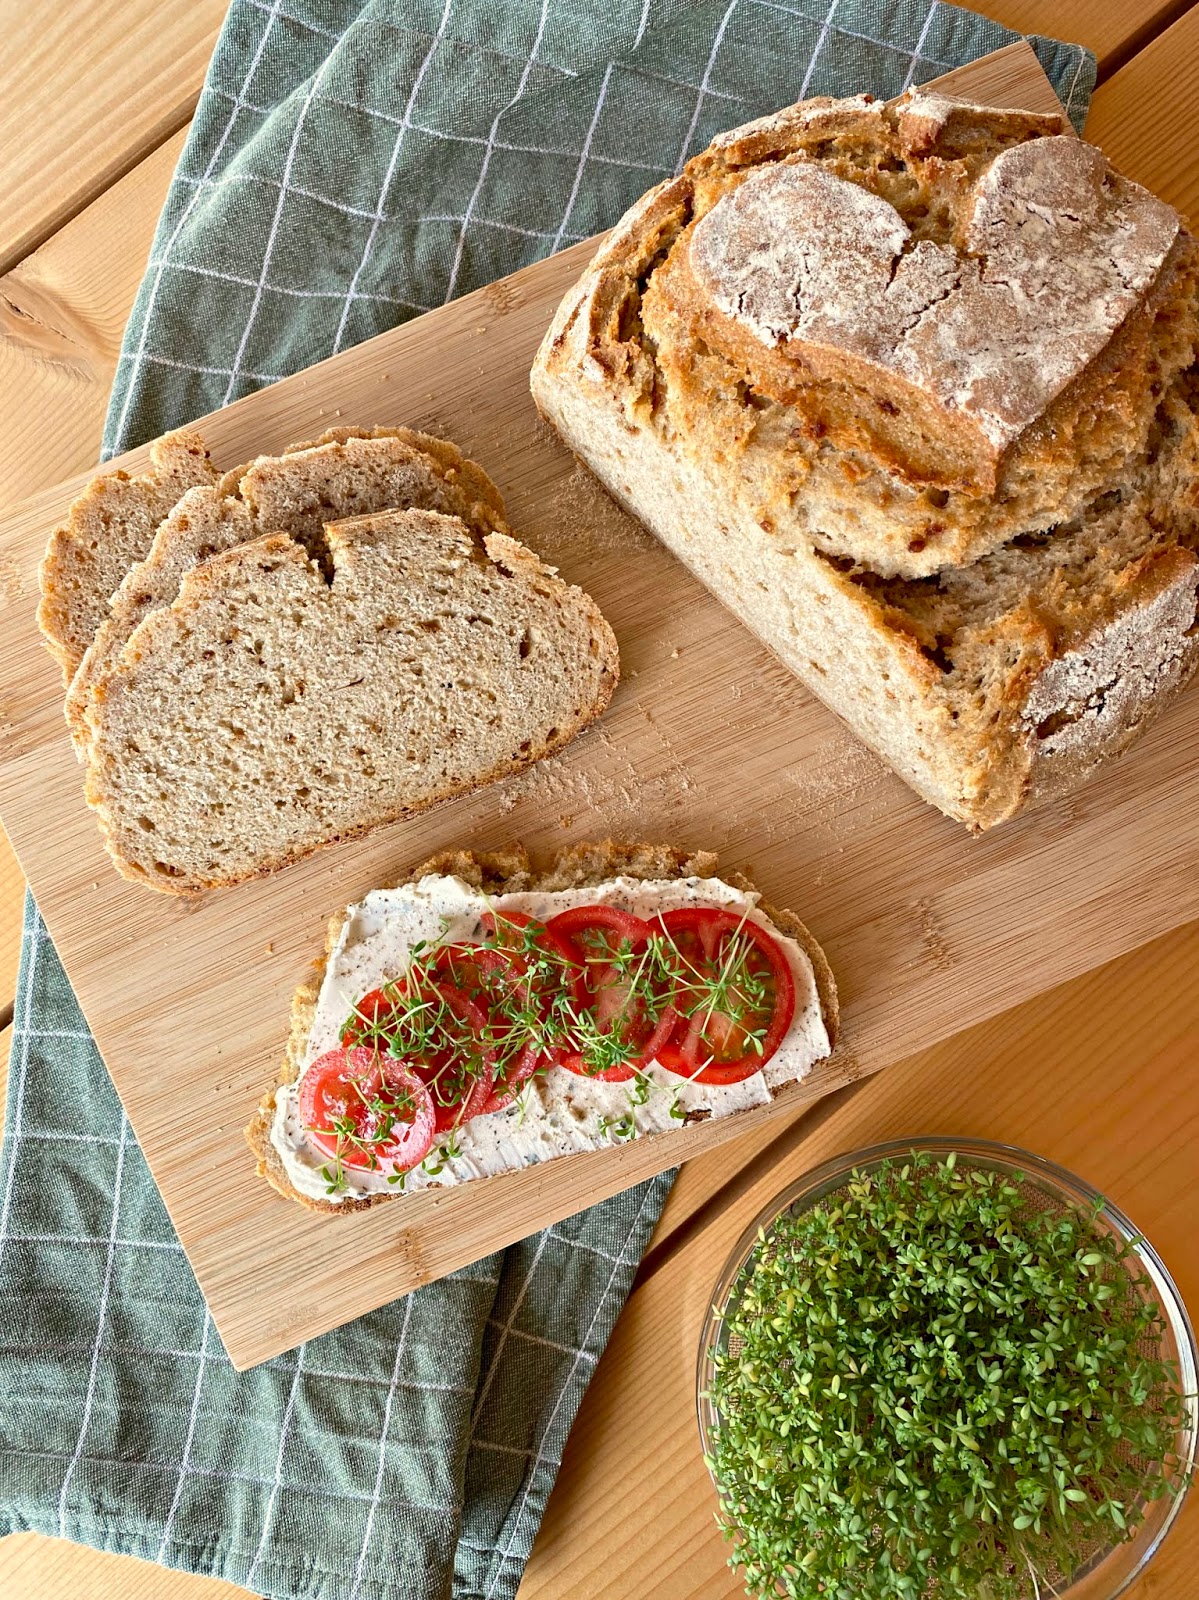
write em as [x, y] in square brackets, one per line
[510, 871]
[913, 390]
[1055, 252]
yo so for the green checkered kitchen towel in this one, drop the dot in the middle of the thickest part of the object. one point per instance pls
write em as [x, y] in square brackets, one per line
[349, 166]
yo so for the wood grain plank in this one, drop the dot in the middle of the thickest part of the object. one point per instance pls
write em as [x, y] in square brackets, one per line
[12, 905]
[99, 88]
[1113, 32]
[1116, 121]
[31, 1564]
[718, 747]
[1145, 117]
[1099, 1076]
[63, 310]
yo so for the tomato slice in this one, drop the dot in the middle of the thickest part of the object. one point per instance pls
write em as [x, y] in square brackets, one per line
[508, 977]
[508, 929]
[735, 997]
[439, 1031]
[368, 1024]
[459, 1074]
[511, 1080]
[366, 1110]
[617, 987]
[589, 923]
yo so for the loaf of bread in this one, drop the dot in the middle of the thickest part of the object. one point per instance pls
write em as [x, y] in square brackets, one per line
[107, 529]
[347, 472]
[912, 388]
[276, 706]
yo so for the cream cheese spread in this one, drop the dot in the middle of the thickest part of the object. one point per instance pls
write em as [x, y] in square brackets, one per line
[559, 1112]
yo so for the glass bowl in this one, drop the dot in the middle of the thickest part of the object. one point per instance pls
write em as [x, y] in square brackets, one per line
[1107, 1571]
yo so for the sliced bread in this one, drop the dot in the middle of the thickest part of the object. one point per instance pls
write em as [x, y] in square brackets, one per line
[272, 709]
[107, 529]
[345, 473]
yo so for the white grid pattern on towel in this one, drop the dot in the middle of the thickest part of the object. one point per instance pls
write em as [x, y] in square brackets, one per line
[517, 1528]
[98, 1408]
[236, 374]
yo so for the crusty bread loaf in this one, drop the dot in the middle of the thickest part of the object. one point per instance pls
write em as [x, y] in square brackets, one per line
[510, 871]
[912, 389]
[107, 529]
[348, 472]
[270, 710]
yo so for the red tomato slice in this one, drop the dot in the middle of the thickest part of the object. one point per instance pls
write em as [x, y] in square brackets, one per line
[366, 1110]
[478, 970]
[507, 928]
[590, 936]
[506, 1087]
[505, 983]
[459, 1075]
[459, 1065]
[370, 1018]
[713, 1045]
[583, 921]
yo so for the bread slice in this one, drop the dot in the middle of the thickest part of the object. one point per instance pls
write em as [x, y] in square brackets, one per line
[510, 871]
[107, 529]
[271, 710]
[347, 472]
[1061, 617]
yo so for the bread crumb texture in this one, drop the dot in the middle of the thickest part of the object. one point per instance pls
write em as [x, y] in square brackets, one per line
[107, 529]
[913, 389]
[275, 706]
[345, 473]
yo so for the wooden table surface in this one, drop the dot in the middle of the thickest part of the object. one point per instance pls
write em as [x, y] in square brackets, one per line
[1098, 1074]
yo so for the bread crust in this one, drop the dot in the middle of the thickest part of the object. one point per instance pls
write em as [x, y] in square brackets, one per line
[83, 563]
[511, 871]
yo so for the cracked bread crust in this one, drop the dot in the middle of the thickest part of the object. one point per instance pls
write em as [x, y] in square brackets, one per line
[829, 444]
[510, 871]
[945, 670]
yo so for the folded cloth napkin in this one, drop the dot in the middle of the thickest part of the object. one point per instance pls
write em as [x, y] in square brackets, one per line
[349, 166]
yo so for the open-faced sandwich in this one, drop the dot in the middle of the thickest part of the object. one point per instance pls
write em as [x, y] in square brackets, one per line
[484, 1016]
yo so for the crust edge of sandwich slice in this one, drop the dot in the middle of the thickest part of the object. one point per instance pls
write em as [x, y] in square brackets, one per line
[510, 871]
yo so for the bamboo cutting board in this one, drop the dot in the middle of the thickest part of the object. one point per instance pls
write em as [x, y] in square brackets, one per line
[709, 743]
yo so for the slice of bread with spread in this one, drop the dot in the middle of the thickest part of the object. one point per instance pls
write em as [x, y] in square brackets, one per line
[107, 529]
[913, 389]
[284, 701]
[624, 869]
[346, 473]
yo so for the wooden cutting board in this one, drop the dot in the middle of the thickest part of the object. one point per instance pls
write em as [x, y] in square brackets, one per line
[709, 743]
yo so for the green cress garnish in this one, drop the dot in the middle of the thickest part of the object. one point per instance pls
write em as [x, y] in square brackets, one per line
[928, 1385]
